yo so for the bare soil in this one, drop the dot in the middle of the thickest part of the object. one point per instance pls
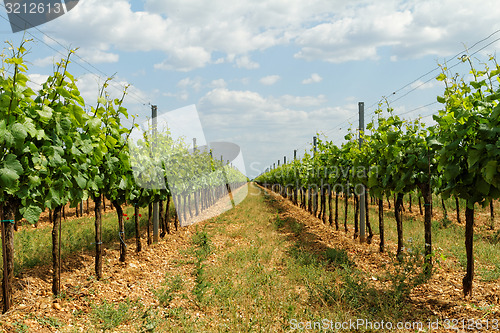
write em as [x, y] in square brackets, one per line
[441, 296]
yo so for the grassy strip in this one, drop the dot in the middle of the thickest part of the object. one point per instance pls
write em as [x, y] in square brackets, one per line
[254, 272]
[447, 236]
[33, 246]
[249, 270]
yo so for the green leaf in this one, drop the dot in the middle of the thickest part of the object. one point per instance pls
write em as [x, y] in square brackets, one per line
[75, 151]
[493, 97]
[7, 138]
[31, 213]
[451, 171]
[45, 113]
[392, 137]
[66, 124]
[81, 181]
[434, 143]
[34, 180]
[66, 169]
[94, 124]
[30, 127]
[54, 196]
[11, 162]
[18, 132]
[87, 147]
[111, 142]
[496, 112]
[441, 77]
[123, 184]
[55, 158]
[483, 186]
[473, 157]
[490, 171]
[63, 92]
[8, 179]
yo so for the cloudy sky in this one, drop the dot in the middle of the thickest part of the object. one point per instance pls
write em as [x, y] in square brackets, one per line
[266, 74]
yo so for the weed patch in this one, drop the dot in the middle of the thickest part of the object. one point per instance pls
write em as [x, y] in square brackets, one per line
[203, 248]
[49, 322]
[107, 316]
[338, 257]
[302, 256]
[172, 286]
[278, 222]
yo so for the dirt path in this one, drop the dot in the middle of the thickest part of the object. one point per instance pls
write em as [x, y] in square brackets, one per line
[441, 296]
[240, 277]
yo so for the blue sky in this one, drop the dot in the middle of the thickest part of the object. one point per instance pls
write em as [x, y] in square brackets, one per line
[266, 75]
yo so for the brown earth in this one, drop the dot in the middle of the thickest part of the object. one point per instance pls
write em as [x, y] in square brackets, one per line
[440, 296]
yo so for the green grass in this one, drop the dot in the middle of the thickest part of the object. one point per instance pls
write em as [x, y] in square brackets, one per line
[253, 270]
[447, 236]
[107, 316]
[338, 257]
[20, 327]
[268, 277]
[34, 246]
[171, 287]
[49, 322]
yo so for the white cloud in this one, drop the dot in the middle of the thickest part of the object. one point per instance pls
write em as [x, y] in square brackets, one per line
[183, 95]
[97, 56]
[301, 101]
[263, 125]
[219, 83]
[315, 78]
[195, 83]
[229, 109]
[43, 62]
[185, 59]
[36, 80]
[90, 85]
[410, 29]
[223, 107]
[269, 80]
[188, 32]
[246, 62]
[419, 84]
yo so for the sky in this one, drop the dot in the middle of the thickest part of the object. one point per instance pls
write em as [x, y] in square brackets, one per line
[266, 75]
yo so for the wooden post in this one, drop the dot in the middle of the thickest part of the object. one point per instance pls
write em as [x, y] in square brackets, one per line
[56, 251]
[154, 111]
[98, 237]
[7, 225]
[362, 198]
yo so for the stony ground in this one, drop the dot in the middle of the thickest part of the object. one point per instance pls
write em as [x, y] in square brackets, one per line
[36, 310]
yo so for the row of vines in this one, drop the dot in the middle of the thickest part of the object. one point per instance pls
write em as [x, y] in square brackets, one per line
[458, 156]
[55, 150]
